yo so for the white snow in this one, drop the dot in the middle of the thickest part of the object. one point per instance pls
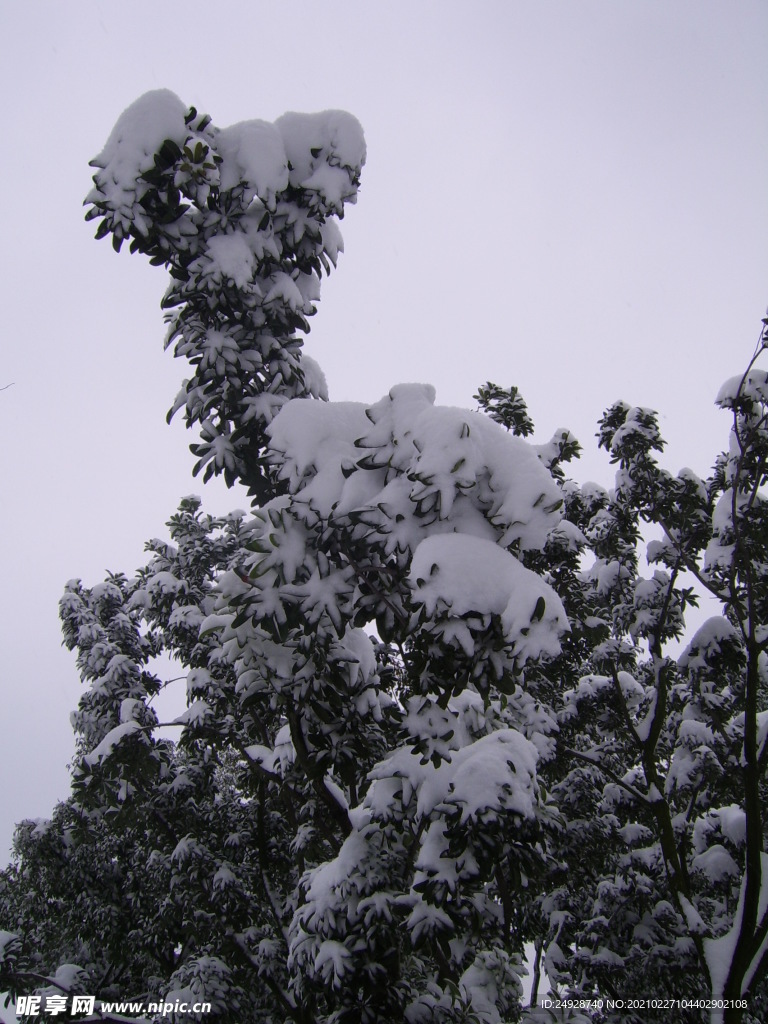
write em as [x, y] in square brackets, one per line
[463, 574]
[607, 957]
[753, 386]
[316, 440]
[707, 641]
[445, 453]
[694, 733]
[632, 690]
[7, 939]
[138, 134]
[7, 1014]
[762, 731]
[110, 741]
[164, 582]
[335, 133]
[198, 680]
[252, 152]
[732, 822]
[69, 975]
[195, 714]
[224, 877]
[332, 875]
[719, 951]
[332, 962]
[719, 551]
[130, 708]
[232, 259]
[331, 184]
[634, 832]
[426, 919]
[716, 863]
[314, 377]
[494, 773]
[262, 755]
[333, 243]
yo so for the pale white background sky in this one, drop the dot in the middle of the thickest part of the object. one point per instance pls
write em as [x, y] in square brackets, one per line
[567, 195]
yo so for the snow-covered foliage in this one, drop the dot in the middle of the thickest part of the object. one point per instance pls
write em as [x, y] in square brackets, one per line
[244, 218]
[433, 710]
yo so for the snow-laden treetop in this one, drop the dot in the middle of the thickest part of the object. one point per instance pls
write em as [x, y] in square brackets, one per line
[245, 219]
[322, 152]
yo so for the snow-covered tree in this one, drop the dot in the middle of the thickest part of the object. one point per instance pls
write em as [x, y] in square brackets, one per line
[667, 745]
[434, 711]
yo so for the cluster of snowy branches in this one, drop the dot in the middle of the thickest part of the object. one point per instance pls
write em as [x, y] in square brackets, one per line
[437, 714]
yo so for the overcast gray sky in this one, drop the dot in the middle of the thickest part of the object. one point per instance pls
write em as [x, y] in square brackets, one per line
[567, 195]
